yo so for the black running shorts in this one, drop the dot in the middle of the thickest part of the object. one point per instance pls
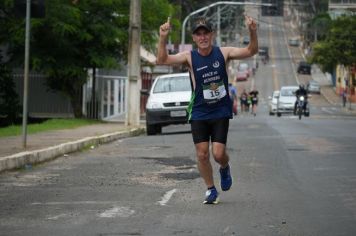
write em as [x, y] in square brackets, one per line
[210, 130]
[254, 101]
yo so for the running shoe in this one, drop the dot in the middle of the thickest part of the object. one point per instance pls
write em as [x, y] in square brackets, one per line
[211, 196]
[226, 180]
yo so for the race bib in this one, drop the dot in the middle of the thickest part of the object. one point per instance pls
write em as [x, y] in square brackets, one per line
[214, 91]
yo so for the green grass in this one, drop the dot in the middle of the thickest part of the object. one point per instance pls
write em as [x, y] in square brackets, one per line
[52, 124]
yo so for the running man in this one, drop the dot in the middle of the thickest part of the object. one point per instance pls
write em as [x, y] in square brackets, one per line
[210, 107]
[244, 101]
[254, 101]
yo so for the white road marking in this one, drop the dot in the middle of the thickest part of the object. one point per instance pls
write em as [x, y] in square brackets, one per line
[166, 197]
[117, 211]
[226, 230]
[74, 203]
[328, 110]
[56, 217]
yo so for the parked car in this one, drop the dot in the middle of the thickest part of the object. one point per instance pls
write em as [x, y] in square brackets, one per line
[304, 68]
[263, 54]
[245, 67]
[294, 42]
[272, 104]
[263, 51]
[168, 101]
[246, 40]
[241, 76]
[286, 100]
[243, 72]
[313, 87]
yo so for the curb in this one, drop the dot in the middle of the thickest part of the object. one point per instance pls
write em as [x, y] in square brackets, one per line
[34, 157]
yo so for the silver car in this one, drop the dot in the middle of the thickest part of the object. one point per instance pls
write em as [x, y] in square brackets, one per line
[286, 100]
[313, 87]
[272, 104]
[293, 42]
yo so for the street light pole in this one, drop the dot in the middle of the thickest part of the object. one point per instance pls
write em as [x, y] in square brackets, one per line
[26, 72]
[218, 38]
[213, 5]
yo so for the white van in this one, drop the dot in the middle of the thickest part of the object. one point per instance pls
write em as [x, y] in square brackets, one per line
[286, 100]
[168, 101]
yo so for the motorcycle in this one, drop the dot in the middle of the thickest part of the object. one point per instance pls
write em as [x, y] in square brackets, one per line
[302, 107]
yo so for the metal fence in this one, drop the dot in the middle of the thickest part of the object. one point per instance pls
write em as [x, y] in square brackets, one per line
[105, 96]
[342, 1]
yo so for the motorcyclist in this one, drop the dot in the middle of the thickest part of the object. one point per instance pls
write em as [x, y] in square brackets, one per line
[301, 92]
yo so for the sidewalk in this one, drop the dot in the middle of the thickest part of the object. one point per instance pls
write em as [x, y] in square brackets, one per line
[326, 88]
[328, 91]
[49, 145]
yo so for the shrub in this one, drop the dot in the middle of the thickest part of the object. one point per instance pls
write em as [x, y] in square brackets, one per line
[9, 99]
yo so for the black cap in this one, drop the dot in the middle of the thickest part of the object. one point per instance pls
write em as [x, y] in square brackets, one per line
[202, 23]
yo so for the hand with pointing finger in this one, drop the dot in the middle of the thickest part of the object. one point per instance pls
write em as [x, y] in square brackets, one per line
[164, 29]
[250, 23]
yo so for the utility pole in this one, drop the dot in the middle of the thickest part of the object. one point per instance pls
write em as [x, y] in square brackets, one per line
[26, 72]
[134, 66]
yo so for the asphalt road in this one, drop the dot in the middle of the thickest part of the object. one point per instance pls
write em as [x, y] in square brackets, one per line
[291, 177]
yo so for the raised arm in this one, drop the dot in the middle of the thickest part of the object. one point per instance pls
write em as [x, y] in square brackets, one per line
[162, 56]
[252, 47]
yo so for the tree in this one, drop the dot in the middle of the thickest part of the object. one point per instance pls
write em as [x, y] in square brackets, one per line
[339, 46]
[9, 99]
[324, 54]
[275, 10]
[321, 6]
[74, 37]
[37, 8]
[320, 25]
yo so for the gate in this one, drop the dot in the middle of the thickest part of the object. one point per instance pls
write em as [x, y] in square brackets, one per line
[113, 97]
[146, 85]
[108, 102]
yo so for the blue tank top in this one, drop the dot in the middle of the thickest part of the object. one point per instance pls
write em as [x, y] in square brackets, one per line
[210, 99]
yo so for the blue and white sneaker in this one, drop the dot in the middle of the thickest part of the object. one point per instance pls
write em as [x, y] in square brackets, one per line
[226, 180]
[211, 196]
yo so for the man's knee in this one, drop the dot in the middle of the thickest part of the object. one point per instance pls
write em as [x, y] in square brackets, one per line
[219, 155]
[203, 155]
